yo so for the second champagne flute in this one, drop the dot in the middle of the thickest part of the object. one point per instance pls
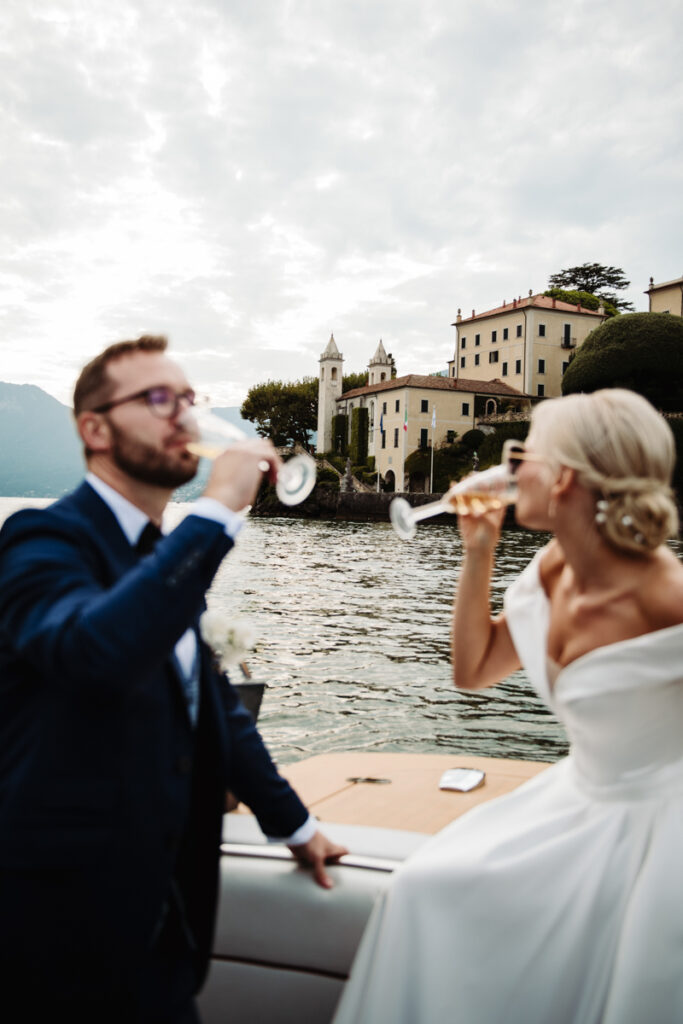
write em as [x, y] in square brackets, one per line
[477, 493]
[211, 435]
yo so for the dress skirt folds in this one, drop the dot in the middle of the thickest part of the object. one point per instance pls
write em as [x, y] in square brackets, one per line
[562, 901]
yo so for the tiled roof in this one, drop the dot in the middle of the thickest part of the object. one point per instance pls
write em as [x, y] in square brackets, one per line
[535, 301]
[416, 380]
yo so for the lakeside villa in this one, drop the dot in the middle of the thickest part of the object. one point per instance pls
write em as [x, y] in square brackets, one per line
[505, 359]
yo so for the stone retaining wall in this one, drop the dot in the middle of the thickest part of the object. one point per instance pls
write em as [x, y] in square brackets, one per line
[326, 503]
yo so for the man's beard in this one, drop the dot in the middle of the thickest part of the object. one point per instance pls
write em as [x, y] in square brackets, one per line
[168, 469]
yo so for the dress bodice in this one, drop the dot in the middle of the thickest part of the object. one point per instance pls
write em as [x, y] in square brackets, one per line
[622, 704]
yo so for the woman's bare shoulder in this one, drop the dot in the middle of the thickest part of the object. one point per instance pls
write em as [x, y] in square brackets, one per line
[661, 595]
[552, 562]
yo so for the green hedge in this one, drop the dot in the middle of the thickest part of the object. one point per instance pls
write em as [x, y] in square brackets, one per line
[327, 476]
[340, 433]
[639, 351]
[358, 448]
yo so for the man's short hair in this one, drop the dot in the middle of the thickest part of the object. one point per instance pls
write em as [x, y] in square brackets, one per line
[93, 387]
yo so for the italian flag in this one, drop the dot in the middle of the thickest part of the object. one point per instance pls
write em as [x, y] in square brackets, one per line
[405, 418]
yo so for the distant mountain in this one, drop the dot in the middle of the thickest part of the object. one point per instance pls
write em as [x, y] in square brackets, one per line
[40, 453]
[232, 414]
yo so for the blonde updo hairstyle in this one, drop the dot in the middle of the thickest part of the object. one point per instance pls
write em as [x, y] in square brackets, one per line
[623, 451]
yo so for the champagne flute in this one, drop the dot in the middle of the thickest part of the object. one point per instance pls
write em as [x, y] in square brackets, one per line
[211, 435]
[477, 493]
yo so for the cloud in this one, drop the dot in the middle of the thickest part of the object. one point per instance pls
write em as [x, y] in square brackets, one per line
[249, 177]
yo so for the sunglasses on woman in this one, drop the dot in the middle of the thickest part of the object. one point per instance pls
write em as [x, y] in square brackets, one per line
[514, 453]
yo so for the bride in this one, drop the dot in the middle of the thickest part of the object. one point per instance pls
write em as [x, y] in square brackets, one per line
[563, 901]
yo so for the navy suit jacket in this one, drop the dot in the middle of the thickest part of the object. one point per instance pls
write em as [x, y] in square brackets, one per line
[106, 792]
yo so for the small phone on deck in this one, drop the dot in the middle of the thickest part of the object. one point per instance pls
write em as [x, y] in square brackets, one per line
[462, 779]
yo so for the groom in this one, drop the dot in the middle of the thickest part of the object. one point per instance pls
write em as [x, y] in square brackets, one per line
[118, 737]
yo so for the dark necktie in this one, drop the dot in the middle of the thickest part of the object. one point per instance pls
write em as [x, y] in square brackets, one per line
[148, 538]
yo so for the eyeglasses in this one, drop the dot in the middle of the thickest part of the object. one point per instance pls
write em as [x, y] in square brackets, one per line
[163, 401]
[514, 453]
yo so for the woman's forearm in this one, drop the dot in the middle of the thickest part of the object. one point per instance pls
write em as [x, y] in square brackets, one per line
[482, 649]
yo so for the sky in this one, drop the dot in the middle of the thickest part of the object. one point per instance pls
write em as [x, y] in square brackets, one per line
[250, 176]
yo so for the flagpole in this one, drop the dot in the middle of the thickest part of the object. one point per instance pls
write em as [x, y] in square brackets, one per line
[431, 472]
[405, 437]
[381, 434]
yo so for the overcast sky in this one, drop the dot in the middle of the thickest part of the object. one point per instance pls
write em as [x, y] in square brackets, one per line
[248, 176]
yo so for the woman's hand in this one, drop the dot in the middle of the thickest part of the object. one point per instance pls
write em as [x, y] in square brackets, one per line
[480, 531]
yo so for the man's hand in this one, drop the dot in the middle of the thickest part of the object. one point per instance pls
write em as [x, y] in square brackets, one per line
[318, 852]
[236, 474]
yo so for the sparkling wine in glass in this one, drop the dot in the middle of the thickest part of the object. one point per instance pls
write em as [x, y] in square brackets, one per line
[480, 492]
[211, 435]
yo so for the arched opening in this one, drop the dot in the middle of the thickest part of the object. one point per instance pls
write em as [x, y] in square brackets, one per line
[383, 376]
[389, 481]
[322, 373]
[334, 373]
[417, 483]
[491, 407]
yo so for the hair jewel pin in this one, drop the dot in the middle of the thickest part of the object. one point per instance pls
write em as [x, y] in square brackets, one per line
[601, 514]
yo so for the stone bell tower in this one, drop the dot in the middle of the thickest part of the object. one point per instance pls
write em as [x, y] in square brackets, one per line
[379, 367]
[329, 390]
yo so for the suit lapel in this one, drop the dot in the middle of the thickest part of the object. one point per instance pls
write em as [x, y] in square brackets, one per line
[103, 531]
[118, 557]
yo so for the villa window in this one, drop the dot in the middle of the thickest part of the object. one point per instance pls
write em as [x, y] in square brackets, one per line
[506, 333]
[398, 405]
[493, 357]
[463, 360]
[395, 437]
[541, 390]
[424, 438]
[494, 337]
[541, 330]
[518, 365]
[519, 330]
[384, 406]
[465, 408]
[477, 339]
[476, 359]
[463, 343]
[424, 405]
[504, 371]
[541, 365]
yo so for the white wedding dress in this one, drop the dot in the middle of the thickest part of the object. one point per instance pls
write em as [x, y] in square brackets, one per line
[562, 901]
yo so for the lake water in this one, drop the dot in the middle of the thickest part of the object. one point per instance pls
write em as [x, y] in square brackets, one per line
[352, 630]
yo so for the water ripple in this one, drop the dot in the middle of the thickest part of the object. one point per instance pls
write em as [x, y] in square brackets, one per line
[354, 644]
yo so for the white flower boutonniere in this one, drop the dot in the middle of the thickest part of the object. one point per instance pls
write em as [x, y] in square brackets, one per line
[230, 642]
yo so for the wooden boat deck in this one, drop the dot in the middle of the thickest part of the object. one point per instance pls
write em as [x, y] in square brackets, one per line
[410, 799]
